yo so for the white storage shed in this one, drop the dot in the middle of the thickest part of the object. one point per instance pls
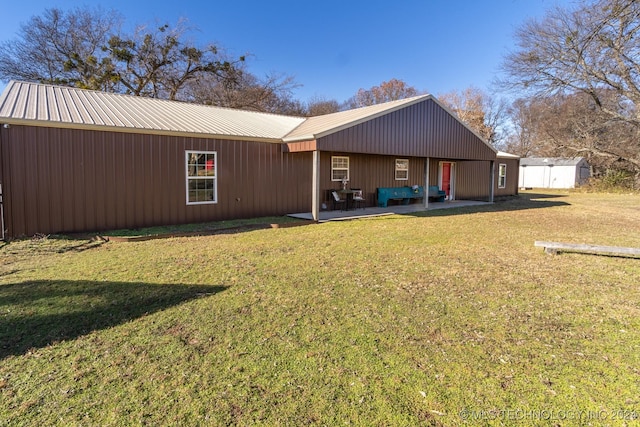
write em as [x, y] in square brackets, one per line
[553, 172]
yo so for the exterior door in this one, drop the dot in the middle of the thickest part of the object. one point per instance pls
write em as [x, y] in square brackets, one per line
[446, 179]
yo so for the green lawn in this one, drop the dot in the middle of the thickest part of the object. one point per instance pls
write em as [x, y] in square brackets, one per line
[450, 317]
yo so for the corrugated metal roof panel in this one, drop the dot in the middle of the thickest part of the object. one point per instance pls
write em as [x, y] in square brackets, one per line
[71, 107]
[550, 161]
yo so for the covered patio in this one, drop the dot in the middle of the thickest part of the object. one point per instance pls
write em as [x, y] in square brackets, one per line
[338, 215]
[404, 143]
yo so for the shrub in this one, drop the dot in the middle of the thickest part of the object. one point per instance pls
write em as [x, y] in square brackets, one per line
[613, 181]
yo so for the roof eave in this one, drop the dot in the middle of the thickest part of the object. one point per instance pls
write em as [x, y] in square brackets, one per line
[146, 131]
[301, 138]
[504, 155]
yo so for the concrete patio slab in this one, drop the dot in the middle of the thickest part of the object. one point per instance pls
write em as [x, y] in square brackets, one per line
[369, 212]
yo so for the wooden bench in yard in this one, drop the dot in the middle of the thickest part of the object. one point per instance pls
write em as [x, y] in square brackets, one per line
[555, 247]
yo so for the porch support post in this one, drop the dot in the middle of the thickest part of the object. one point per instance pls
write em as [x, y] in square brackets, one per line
[492, 178]
[315, 190]
[426, 183]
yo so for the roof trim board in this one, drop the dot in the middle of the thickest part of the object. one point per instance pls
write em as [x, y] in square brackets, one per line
[143, 131]
[301, 146]
[551, 161]
[504, 155]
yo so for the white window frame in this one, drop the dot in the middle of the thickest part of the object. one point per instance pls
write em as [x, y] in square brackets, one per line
[502, 175]
[403, 170]
[334, 168]
[213, 177]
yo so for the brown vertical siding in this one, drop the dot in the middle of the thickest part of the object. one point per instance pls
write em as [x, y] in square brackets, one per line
[472, 180]
[433, 171]
[513, 169]
[369, 172]
[2, 182]
[64, 180]
[420, 130]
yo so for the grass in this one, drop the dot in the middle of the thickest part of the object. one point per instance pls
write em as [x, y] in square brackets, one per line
[449, 317]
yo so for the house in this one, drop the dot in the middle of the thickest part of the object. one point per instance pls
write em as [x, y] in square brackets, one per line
[74, 160]
[553, 172]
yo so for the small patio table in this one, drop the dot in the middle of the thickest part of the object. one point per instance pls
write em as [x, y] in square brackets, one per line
[349, 196]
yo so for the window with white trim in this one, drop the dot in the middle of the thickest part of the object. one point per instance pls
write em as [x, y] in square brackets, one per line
[201, 169]
[502, 175]
[339, 168]
[402, 169]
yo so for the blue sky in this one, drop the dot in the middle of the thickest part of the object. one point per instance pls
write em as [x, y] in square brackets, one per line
[333, 48]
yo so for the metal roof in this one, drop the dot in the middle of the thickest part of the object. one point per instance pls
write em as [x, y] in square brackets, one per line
[48, 105]
[37, 104]
[550, 161]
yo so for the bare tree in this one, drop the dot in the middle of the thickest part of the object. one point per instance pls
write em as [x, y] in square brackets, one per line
[478, 110]
[318, 106]
[569, 125]
[84, 48]
[159, 62]
[521, 139]
[62, 48]
[592, 50]
[391, 90]
[243, 90]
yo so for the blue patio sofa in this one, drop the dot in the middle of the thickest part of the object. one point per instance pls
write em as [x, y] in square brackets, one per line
[436, 194]
[405, 194]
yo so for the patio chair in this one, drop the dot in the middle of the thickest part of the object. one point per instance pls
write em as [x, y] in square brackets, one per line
[358, 198]
[336, 200]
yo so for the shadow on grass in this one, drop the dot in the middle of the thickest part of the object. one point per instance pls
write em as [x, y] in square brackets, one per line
[76, 246]
[531, 196]
[201, 229]
[63, 243]
[516, 203]
[37, 314]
